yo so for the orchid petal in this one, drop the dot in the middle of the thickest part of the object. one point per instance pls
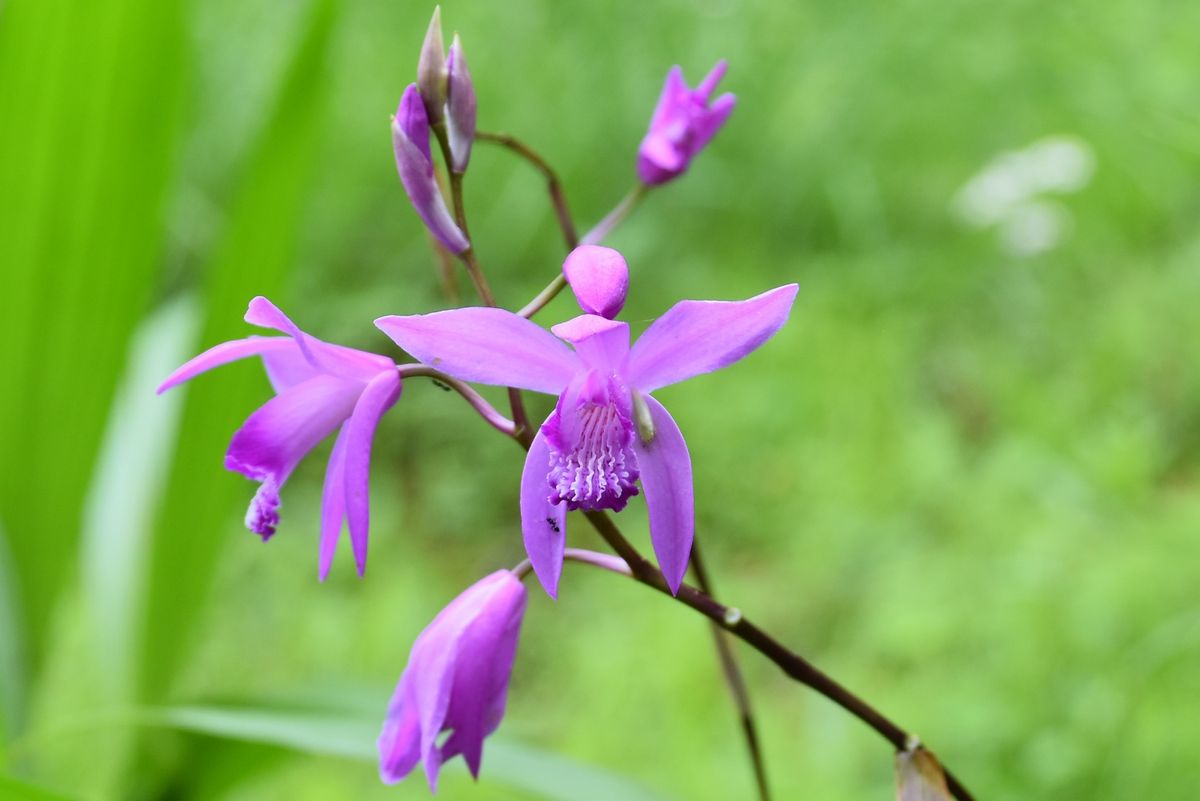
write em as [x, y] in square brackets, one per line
[223, 354]
[674, 92]
[700, 336]
[602, 344]
[278, 435]
[333, 503]
[705, 89]
[712, 121]
[666, 474]
[599, 277]
[486, 345]
[381, 393]
[543, 525]
[400, 741]
[287, 367]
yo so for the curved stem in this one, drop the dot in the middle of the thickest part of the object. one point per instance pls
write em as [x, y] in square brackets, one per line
[558, 198]
[592, 237]
[734, 678]
[517, 404]
[731, 619]
[485, 409]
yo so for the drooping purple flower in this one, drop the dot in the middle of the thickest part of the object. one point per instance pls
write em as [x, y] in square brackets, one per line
[456, 681]
[683, 123]
[410, 142]
[319, 388]
[606, 433]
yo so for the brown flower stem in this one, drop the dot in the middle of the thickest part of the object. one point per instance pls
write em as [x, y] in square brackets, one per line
[731, 619]
[558, 198]
[734, 678]
[469, 260]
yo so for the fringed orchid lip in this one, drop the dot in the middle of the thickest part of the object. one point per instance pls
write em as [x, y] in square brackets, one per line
[589, 453]
[320, 388]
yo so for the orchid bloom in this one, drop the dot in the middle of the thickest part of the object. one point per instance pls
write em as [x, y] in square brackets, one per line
[414, 162]
[319, 387]
[456, 680]
[607, 432]
[683, 123]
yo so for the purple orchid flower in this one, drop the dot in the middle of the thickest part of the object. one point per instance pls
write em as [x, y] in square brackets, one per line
[607, 432]
[410, 142]
[456, 680]
[319, 387]
[683, 123]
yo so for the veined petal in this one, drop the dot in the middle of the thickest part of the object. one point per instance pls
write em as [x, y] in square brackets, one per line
[333, 503]
[224, 353]
[323, 356]
[543, 524]
[489, 346]
[700, 336]
[666, 473]
[278, 435]
[379, 396]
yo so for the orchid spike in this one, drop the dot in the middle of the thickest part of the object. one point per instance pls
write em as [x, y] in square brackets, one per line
[588, 454]
[456, 680]
[414, 162]
[683, 123]
[599, 278]
[319, 387]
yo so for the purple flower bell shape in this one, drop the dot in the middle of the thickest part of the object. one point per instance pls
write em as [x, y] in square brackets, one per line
[607, 433]
[683, 123]
[319, 388]
[456, 681]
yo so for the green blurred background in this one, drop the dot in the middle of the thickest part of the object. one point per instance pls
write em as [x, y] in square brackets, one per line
[963, 478]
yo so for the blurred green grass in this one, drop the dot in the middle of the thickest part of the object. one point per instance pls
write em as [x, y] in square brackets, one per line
[962, 480]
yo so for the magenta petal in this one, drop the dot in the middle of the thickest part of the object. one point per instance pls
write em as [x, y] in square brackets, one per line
[599, 277]
[381, 393]
[602, 344]
[490, 346]
[543, 524]
[674, 93]
[400, 741]
[712, 120]
[278, 435]
[333, 503]
[223, 354]
[700, 336]
[414, 122]
[666, 473]
[705, 89]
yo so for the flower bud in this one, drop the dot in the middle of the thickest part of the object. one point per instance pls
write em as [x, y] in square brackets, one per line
[431, 69]
[410, 142]
[460, 107]
[683, 123]
[599, 278]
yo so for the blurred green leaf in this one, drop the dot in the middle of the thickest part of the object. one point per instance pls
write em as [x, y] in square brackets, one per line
[12, 669]
[90, 95]
[264, 224]
[14, 790]
[520, 766]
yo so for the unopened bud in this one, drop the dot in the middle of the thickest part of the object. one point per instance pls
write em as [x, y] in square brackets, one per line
[460, 107]
[431, 69]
